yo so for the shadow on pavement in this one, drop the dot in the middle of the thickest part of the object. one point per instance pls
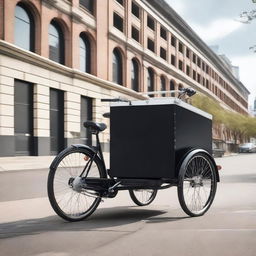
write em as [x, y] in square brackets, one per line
[102, 218]
[165, 219]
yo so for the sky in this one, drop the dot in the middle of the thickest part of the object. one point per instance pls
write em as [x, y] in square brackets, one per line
[216, 22]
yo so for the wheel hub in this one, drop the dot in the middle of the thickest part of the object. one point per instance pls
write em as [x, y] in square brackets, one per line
[197, 181]
[77, 184]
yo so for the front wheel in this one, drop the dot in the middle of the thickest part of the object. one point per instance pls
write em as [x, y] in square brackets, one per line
[66, 195]
[197, 184]
[143, 197]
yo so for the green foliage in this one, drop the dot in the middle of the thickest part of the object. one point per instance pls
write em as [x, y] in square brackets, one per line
[240, 125]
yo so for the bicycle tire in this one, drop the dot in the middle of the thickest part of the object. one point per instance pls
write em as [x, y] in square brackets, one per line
[65, 169]
[147, 196]
[199, 175]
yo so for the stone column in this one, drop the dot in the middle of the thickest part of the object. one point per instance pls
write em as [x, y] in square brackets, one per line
[7, 141]
[41, 120]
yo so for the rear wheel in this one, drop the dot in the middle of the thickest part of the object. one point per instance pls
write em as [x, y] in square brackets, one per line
[66, 195]
[197, 184]
[143, 197]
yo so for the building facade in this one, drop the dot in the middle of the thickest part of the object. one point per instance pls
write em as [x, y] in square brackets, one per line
[58, 58]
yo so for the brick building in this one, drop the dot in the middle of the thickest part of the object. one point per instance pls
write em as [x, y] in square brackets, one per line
[58, 58]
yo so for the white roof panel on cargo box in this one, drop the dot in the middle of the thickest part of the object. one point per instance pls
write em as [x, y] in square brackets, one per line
[163, 101]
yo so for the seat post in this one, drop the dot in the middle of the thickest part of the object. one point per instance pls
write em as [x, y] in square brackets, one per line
[99, 149]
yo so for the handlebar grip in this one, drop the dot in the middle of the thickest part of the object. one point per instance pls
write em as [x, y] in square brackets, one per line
[106, 115]
[114, 100]
[109, 100]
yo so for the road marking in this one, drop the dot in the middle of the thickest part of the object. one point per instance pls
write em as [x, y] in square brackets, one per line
[245, 211]
[226, 230]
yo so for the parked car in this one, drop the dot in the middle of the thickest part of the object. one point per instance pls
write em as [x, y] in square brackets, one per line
[247, 148]
[217, 152]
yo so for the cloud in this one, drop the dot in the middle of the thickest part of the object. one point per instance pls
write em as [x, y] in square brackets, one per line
[217, 29]
[247, 66]
[178, 6]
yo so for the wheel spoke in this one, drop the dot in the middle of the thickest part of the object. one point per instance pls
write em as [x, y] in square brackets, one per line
[70, 202]
[198, 185]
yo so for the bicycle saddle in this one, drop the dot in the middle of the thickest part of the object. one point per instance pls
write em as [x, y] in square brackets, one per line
[95, 126]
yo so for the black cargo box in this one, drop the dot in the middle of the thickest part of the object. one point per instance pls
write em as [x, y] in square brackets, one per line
[149, 138]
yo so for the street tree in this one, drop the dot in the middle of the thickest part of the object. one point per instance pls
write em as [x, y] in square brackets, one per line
[247, 17]
[242, 127]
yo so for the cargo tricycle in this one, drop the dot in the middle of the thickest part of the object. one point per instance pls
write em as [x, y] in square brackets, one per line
[154, 144]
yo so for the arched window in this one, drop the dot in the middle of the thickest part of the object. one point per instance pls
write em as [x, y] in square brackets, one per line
[180, 86]
[24, 28]
[56, 43]
[135, 75]
[151, 78]
[172, 88]
[85, 53]
[163, 85]
[117, 67]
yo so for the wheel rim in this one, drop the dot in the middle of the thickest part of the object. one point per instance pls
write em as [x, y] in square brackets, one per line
[144, 196]
[198, 185]
[73, 202]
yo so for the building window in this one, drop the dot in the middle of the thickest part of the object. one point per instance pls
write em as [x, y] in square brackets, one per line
[151, 78]
[207, 84]
[172, 88]
[56, 43]
[194, 74]
[162, 53]
[117, 67]
[135, 75]
[135, 10]
[198, 78]
[188, 70]
[180, 65]
[85, 53]
[173, 60]
[207, 69]
[135, 34]
[194, 58]
[118, 22]
[24, 28]
[88, 5]
[151, 45]
[188, 53]
[85, 114]
[173, 41]
[198, 62]
[180, 47]
[203, 66]
[163, 33]
[120, 2]
[180, 86]
[151, 23]
[163, 85]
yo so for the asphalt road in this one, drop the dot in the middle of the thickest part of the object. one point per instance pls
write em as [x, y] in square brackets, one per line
[28, 225]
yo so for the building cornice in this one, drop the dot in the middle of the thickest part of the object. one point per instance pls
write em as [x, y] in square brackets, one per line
[39, 61]
[168, 13]
[168, 68]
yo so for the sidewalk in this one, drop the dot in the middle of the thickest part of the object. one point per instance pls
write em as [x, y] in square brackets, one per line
[17, 163]
[25, 163]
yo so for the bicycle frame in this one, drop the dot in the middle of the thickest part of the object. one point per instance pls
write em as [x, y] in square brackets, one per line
[108, 187]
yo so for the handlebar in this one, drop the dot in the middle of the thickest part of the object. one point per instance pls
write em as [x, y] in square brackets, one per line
[189, 91]
[115, 100]
[184, 91]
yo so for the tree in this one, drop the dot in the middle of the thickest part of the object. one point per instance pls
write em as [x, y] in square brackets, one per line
[242, 127]
[247, 17]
